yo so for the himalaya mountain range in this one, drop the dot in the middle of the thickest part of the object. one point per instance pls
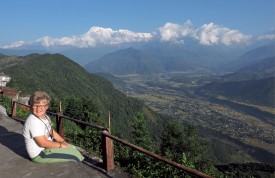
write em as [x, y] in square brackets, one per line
[171, 47]
[206, 71]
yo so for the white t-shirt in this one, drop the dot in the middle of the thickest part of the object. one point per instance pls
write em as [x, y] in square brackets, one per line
[35, 127]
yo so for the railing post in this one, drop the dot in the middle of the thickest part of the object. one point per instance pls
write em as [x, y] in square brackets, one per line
[13, 111]
[60, 124]
[107, 152]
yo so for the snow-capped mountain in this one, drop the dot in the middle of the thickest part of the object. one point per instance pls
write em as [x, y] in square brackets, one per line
[208, 34]
[83, 48]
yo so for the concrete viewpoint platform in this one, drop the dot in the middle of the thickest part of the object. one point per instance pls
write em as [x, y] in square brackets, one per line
[15, 163]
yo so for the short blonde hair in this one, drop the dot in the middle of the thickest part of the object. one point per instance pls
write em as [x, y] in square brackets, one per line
[38, 96]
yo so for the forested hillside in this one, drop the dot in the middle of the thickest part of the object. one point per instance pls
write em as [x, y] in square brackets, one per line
[265, 68]
[251, 57]
[126, 61]
[252, 84]
[63, 78]
[83, 92]
[66, 80]
[158, 58]
[252, 91]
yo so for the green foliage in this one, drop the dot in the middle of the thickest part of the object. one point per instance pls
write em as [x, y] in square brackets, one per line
[126, 61]
[83, 136]
[62, 78]
[73, 107]
[252, 91]
[258, 69]
[6, 103]
[179, 143]
[133, 161]
[23, 114]
[88, 139]
[71, 130]
[88, 97]
[183, 145]
[83, 109]
[222, 152]
[185, 162]
[193, 145]
[247, 170]
[140, 133]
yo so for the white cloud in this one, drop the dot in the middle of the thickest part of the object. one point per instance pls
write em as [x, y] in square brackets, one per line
[175, 32]
[266, 37]
[14, 45]
[95, 36]
[109, 36]
[208, 34]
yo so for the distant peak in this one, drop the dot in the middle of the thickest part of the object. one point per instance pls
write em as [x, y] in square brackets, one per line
[207, 34]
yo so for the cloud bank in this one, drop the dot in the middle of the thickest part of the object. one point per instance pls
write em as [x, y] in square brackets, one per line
[96, 36]
[269, 35]
[208, 34]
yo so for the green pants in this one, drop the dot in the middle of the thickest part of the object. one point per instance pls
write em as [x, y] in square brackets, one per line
[55, 155]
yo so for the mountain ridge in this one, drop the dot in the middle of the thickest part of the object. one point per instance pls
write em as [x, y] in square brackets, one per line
[62, 77]
[125, 61]
[264, 68]
[154, 59]
[260, 92]
[252, 56]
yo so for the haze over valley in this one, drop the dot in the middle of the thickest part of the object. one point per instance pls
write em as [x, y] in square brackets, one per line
[193, 81]
[225, 90]
[232, 105]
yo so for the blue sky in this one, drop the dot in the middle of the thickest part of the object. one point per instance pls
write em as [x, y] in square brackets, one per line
[28, 20]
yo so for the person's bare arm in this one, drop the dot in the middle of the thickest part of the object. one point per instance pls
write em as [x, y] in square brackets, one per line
[44, 143]
[57, 137]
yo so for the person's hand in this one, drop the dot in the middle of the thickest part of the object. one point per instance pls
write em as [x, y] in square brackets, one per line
[64, 145]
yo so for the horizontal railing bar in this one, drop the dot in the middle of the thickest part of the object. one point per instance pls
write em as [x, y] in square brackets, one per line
[22, 104]
[51, 113]
[70, 118]
[107, 134]
[85, 123]
[154, 155]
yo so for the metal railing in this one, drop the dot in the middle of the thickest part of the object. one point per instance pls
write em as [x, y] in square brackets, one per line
[107, 142]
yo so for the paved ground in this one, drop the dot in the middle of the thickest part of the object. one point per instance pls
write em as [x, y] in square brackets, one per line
[14, 162]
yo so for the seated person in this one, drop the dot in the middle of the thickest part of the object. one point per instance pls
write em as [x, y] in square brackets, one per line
[43, 143]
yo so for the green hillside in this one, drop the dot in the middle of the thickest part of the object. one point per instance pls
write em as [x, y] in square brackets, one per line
[251, 57]
[253, 91]
[263, 69]
[126, 61]
[8, 61]
[61, 78]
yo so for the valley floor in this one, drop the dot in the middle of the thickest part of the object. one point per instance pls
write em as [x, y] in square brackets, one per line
[245, 131]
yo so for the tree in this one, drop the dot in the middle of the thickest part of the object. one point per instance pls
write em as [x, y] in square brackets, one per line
[140, 132]
[74, 107]
[136, 163]
[91, 112]
[172, 140]
[183, 145]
